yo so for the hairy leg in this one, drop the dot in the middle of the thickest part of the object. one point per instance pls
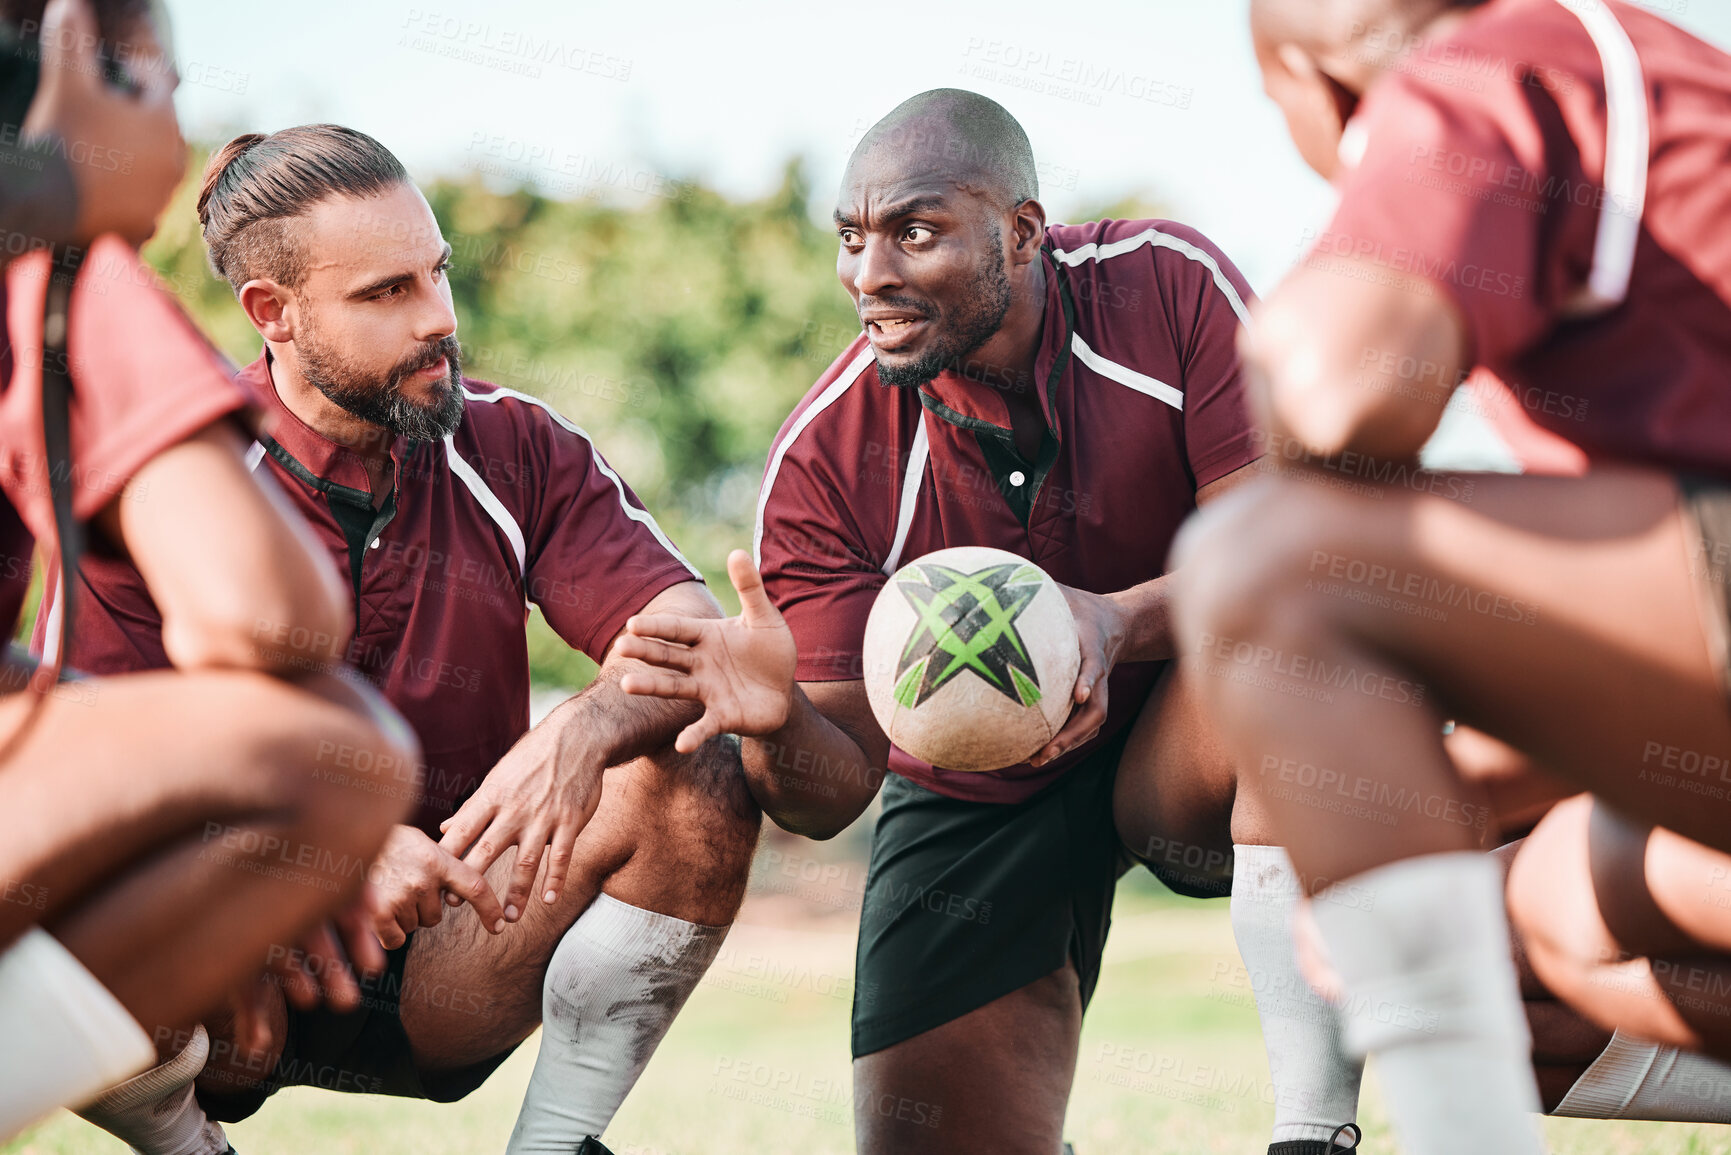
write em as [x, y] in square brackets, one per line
[175, 799]
[674, 834]
[994, 1081]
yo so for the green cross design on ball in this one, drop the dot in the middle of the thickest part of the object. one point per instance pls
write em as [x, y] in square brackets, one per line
[967, 621]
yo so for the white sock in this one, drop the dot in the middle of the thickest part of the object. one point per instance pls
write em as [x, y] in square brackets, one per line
[1635, 1079]
[619, 977]
[157, 1113]
[1315, 1082]
[63, 1036]
[1430, 989]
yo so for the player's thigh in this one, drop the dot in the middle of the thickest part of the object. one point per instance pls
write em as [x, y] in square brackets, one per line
[996, 1079]
[1558, 615]
[111, 768]
[1173, 797]
[666, 836]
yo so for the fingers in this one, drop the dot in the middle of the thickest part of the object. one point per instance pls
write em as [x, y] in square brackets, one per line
[656, 652]
[561, 849]
[354, 924]
[324, 959]
[1085, 718]
[754, 603]
[666, 627]
[429, 907]
[459, 831]
[692, 738]
[470, 885]
[390, 931]
[530, 847]
[660, 684]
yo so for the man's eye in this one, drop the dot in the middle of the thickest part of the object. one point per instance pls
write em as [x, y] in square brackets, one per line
[387, 294]
[443, 269]
[850, 238]
[917, 234]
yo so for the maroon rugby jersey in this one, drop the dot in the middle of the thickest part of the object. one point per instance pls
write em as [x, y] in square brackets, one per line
[1139, 376]
[144, 379]
[517, 506]
[1563, 174]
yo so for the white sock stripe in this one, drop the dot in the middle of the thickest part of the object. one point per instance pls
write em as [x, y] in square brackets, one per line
[1605, 1089]
[146, 1088]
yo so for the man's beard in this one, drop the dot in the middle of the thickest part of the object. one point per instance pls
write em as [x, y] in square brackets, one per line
[384, 404]
[978, 317]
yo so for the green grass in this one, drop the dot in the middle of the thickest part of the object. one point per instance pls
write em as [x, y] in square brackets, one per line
[1171, 1060]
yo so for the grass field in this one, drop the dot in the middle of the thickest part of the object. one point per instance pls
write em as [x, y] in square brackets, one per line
[1171, 1058]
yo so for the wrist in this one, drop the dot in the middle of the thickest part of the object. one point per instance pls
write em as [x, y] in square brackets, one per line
[1137, 632]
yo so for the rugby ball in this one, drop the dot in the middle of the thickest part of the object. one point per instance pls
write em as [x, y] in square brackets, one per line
[971, 658]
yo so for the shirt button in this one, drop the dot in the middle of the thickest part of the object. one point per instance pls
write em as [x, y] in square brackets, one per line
[1018, 477]
[375, 544]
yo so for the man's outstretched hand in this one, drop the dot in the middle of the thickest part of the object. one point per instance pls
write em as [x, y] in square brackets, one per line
[739, 669]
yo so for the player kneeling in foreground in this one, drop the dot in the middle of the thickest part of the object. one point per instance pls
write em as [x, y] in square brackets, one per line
[142, 817]
[446, 503]
[1554, 220]
[1068, 394]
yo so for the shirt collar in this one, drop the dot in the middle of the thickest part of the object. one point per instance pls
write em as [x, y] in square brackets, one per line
[329, 461]
[975, 404]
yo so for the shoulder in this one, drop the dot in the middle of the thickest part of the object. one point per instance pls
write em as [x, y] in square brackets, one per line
[840, 404]
[1159, 257]
[122, 308]
[1499, 72]
[498, 419]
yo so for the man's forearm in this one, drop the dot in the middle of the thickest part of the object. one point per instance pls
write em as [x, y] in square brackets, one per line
[1147, 621]
[810, 776]
[604, 726]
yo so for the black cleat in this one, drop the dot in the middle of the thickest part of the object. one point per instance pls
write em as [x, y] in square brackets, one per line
[1318, 1147]
[592, 1146]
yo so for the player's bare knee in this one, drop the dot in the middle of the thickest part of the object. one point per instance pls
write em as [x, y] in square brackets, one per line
[695, 828]
[341, 776]
[709, 795]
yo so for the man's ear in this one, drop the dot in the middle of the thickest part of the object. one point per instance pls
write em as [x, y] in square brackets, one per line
[267, 305]
[1030, 232]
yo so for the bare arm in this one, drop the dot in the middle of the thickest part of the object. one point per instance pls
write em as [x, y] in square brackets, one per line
[1345, 364]
[237, 575]
[813, 752]
[547, 787]
[819, 772]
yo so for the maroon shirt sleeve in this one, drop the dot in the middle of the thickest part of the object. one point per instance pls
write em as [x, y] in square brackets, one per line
[1473, 192]
[820, 552]
[1217, 428]
[144, 379]
[592, 555]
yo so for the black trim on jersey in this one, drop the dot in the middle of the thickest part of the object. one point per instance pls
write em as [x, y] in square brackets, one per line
[352, 509]
[997, 444]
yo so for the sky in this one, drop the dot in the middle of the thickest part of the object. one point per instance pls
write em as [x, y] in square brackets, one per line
[1154, 98]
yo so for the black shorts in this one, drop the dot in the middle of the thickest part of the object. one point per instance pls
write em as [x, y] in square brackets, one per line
[1707, 500]
[365, 1051]
[968, 901]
